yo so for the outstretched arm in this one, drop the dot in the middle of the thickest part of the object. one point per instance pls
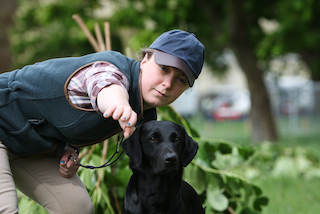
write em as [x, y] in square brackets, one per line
[113, 100]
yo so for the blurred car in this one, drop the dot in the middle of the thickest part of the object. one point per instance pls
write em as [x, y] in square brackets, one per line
[229, 105]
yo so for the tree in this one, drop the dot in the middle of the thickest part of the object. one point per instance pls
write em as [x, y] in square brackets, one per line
[219, 25]
[299, 32]
[7, 9]
[49, 32]
[244, 36]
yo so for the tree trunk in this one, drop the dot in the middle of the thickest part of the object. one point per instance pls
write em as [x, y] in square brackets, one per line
[311, 58]
[7, 9]
[262, 120]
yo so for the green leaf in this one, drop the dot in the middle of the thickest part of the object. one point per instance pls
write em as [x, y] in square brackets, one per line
[285, 166]
[259, 202]
[195, 177]
[216, 198]
[227, 161]
[257, 190]
[88, 178]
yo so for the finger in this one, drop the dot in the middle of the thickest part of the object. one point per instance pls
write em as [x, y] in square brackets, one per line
[126, 114]
[117, 114]
[67, 174]
[128, 131]
[109, 111]
[64, 160]
[63, 172]
[122, 124]
[131, 122]
[71, 164]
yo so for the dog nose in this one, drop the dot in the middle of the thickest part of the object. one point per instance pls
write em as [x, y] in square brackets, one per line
[170, 158]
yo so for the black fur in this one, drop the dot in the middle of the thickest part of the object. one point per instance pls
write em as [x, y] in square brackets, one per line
[158, 151]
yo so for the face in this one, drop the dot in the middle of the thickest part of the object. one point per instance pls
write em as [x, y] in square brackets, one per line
[161, 85]
[163, 146]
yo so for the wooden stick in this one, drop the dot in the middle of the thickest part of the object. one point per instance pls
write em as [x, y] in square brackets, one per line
[91, 39]
[104, 155]
[102, 47]
[107, 35]
[231, 210]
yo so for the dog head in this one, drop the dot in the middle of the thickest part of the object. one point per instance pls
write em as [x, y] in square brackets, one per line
[162, 144]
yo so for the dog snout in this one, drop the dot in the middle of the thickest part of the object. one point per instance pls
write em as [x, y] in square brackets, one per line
[170, 158]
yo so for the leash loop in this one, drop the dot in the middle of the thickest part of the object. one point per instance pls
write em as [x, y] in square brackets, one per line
[108, 163]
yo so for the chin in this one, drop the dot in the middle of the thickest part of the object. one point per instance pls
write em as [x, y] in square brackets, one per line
[153, 105]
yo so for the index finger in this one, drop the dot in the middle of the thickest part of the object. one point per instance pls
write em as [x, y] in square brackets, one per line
[132, 120]
[128, 131]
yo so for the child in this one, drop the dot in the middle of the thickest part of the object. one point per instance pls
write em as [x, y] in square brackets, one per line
[49, 108]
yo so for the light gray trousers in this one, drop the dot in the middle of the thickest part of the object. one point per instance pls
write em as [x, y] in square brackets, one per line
[39, 179]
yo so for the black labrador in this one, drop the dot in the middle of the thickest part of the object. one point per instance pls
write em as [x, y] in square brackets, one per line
[158, 151]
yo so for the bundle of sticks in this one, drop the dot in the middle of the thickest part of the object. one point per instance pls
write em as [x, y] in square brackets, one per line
[97, 44]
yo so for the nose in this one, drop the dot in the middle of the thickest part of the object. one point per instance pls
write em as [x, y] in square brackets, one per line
[167, 81]
[170, 158]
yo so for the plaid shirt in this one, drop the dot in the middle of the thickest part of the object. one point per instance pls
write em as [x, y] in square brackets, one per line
[89, 81]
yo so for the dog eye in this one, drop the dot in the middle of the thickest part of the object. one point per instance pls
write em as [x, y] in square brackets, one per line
[153, 139]
[177, 139]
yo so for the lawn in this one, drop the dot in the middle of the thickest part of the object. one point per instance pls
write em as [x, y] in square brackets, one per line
[288, 193]
[291, 195]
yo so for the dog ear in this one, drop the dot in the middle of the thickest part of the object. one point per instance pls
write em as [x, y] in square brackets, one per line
[131, 146]
[190, 150]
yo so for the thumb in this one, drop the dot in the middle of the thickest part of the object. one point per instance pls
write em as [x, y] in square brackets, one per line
[64, 159]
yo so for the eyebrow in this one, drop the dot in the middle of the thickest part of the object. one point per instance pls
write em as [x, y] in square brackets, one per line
[177, 69]
[181, 72]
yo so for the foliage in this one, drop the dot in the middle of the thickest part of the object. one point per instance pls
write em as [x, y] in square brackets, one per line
[284, 161]
[298, 32]
[219, 25]
[152, 18]
[212, 173]
[45, 29]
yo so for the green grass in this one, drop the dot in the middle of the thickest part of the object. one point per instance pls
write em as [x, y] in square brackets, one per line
[287, 195]
[290, 195]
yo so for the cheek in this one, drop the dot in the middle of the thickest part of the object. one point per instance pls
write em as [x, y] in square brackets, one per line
[149, 79]
[145, 84]
[177, 92]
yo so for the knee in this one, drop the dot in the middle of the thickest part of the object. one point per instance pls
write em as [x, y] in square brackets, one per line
[70, 204]
[82, 206]
[86, 207]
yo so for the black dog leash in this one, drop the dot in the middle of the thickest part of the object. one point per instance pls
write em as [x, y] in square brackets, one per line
[108, 162]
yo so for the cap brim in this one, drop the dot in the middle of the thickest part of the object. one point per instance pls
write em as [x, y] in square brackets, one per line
[162, 58]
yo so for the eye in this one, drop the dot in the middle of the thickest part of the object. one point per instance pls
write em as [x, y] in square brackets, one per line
[182, 80]
[164, 68]
[152, 139]
[176, 139]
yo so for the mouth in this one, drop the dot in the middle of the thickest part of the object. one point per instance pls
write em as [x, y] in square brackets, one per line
[168, 171]
[161, 94]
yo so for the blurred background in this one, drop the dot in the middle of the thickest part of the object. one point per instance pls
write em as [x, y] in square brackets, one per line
[260, 85]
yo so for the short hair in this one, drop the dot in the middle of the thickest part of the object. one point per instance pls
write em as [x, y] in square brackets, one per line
[143, 52]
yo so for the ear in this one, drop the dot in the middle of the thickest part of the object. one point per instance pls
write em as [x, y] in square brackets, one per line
[131, 146]
[143, 61]
[190, 149]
